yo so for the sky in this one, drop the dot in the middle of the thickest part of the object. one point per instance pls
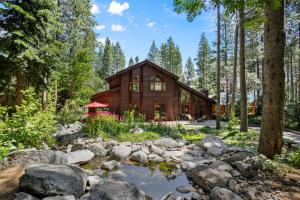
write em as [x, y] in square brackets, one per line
[136, 23]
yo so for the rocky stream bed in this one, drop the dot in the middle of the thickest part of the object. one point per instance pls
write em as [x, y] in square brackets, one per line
[164, 169]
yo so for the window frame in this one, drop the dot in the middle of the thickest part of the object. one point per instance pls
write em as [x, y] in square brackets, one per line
[154, 82]
[135, 81]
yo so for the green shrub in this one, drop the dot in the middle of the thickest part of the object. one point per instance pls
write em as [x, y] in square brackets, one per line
[234, 121]
[194, 137]
[162, 129]
[70, 113]
[293, 158]
[107, 124]
[138, 137]
[28, 126]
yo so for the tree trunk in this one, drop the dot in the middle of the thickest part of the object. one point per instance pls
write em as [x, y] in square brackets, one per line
[44, 96]
[258, 77]
[218, 123]
[225, 67]
[299, 75]
[292, 77]
[55, 96]
[236, 36]
[243, 88]
[20, 87]
[270, 141]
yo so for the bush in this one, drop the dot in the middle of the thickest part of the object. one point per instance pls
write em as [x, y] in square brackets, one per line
[70, 113]
[162, 129]
[28, 126]
[107, 124]
[194, 137]
[293, 158]
[138, 137]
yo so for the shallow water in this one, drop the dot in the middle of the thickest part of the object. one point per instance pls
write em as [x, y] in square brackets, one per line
[155, 180]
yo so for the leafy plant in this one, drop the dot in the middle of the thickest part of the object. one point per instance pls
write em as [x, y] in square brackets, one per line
[194, 137]
[70, 113]
[138, 137]
[28, 126]
[293, 158]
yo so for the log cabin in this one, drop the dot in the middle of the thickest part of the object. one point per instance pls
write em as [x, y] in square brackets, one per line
[155, 92]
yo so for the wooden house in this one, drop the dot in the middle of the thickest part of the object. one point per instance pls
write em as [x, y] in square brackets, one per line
[155, 92]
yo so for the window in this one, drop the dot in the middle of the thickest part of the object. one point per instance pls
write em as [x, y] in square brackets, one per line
[135, 84]
[160, 112]
[157, 83]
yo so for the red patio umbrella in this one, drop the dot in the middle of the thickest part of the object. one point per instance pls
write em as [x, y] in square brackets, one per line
[96, 105]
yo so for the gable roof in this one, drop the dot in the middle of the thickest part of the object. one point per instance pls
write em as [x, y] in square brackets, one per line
[192, 90]
[200, 94]
[140, 64]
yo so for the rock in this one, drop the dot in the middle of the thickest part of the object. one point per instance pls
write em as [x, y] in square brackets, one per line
[80, 156]
[24, 196]
[232, 184]
[118, 175]
[238, 157]
[93, 180]
[183, 189]
[176, 155]
[135, 148]
[110, 165]
[120, 152]
[246, 169]
[139, 156]
[49, 180]
[156, 150]
[196, 196]
[251, 193]
[169, 196]
[98, 149]
[223, 194]
[67, 197]
[236, 173]
[114, 190]
[145, 150]
[77, 146]
[136, 130]
[210, 178]
[213, 145]
[125, 144]
[221, 165]
[166, 142]
[148, 143]
[187, 165]
[31, 156]
[68, 133]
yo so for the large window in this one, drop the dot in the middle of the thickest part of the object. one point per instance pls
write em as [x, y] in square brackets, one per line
[157, 83]
[135, 84]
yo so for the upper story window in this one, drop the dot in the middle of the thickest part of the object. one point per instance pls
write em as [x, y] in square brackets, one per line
[157, 83]
[135, 84]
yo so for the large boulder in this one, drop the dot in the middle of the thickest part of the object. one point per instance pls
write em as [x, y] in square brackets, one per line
[156, 150]
[213, 145]
[120, 152]
[98, 149]
[139, 156]
[50, 180]
[166, 142]
[223, 194]
[32, 156]
[221, 165]
[80, 156]
[210, 178]
[68, 133]
[114, 190]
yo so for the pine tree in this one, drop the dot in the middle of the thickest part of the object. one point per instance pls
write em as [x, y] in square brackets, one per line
[154, 55]
[119, 58]
[189, 74]
[203, 60]
[131, 62]
[171, 57]
[28, 29]
[108, 60]
[99, 60]
[136, 59]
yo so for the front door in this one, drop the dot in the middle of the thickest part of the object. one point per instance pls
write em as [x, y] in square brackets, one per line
[160, 112]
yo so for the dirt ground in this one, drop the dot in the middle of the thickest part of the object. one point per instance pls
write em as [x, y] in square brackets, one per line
[9, 182]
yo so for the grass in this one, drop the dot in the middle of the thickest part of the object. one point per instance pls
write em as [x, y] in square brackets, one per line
[194, 137]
